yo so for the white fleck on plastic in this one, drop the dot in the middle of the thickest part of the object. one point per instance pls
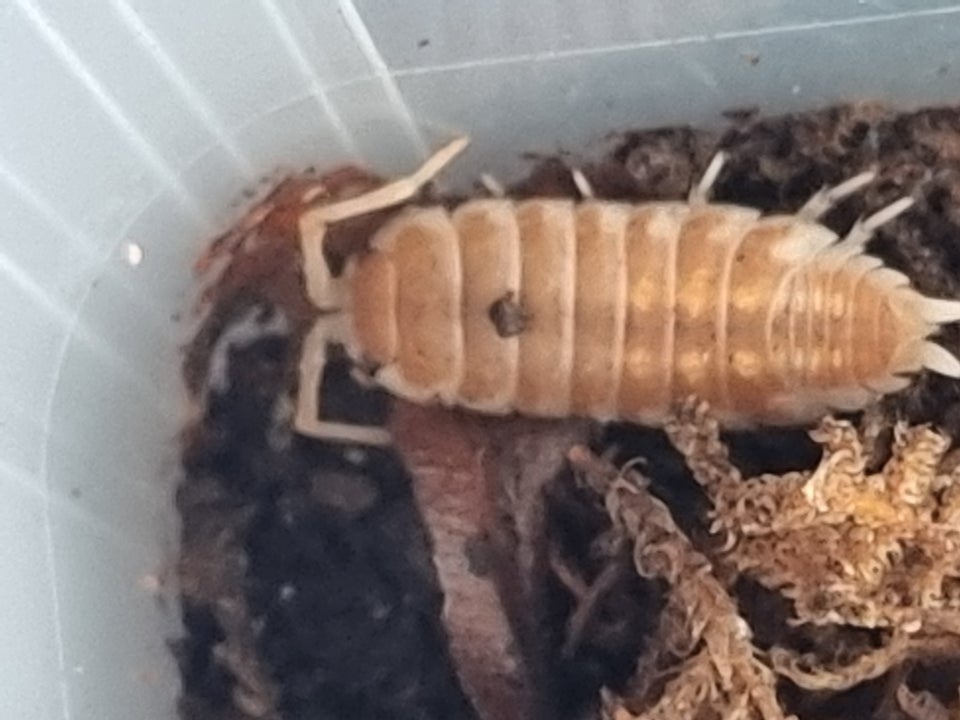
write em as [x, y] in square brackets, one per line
[133, 254]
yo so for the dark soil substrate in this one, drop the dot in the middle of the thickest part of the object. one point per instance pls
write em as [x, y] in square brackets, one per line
[308, 586]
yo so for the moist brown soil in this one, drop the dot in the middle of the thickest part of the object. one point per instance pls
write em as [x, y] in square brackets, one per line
[309, 580]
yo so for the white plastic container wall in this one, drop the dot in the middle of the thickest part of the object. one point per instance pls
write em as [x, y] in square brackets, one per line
[135, 125]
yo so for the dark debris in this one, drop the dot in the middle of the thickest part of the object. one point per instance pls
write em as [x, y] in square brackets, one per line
[338, 579]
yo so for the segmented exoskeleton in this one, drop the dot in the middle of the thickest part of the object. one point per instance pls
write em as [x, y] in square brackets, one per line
[621, 309]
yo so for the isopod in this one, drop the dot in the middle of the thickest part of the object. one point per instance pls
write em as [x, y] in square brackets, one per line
[625, 308]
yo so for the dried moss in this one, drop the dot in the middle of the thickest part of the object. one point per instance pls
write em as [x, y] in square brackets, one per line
[850, 551]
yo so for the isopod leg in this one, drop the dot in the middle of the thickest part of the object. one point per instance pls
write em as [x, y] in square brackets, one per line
[323, 288]
[313, 360]
[700, 193]
[583, 185]
[827, 197]
[863, 230]
[493, 186]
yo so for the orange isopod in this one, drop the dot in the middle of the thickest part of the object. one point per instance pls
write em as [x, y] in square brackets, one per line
[615, 311]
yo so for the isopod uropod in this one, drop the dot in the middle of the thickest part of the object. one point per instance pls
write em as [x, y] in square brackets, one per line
[626, 308]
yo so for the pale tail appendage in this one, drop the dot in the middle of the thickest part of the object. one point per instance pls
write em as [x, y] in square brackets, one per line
[926, 314]
[917, 352]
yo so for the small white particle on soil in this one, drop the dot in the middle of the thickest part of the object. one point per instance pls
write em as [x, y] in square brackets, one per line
[279, 436]
[356, 456]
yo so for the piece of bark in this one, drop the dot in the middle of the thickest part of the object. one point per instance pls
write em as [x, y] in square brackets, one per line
[523, 456]
[479, 486]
